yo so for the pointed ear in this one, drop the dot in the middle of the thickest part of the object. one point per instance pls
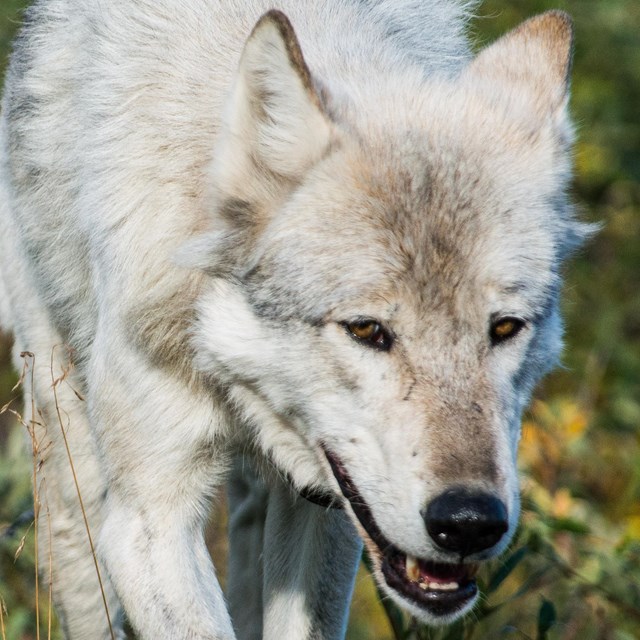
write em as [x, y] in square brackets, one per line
[275, 127]
[535, 59]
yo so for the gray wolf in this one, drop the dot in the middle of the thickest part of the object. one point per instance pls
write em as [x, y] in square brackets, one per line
[312, 250]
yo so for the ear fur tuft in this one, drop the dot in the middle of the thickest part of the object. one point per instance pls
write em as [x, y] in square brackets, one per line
[279, 20]
[275, 128]
[551, 33]
[536, 57]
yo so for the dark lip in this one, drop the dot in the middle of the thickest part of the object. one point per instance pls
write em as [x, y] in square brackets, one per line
[438, 603]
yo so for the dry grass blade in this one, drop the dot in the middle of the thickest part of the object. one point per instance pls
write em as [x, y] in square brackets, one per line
[3, 611]
[22, 543]
[5, 407]
[29, 365]
[50, 603]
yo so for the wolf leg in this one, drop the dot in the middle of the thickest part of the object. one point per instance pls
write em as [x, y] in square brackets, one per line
[247, 513]
[161, 454]
[310, 557]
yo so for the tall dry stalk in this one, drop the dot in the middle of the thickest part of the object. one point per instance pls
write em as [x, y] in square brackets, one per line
[2, 612]
[29, 365]
[50, 590]
[37, 465]
[39, 488]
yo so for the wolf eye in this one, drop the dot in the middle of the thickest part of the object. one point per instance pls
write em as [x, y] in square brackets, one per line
[370, 332]
[505, 328]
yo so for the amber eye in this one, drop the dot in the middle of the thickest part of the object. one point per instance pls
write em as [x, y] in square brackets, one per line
[370, 332]
[505, 328]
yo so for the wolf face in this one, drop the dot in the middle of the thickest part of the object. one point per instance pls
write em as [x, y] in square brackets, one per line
[384, 290]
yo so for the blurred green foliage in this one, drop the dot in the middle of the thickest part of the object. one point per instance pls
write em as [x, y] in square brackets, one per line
[574, 571]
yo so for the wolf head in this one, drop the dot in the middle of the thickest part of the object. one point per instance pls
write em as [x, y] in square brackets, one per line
[384, 288]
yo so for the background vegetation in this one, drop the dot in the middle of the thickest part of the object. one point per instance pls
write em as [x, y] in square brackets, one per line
[574, 570]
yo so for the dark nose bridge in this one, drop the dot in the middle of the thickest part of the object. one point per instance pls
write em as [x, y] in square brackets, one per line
[466, 521]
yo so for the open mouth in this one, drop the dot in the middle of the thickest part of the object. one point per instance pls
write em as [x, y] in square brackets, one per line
[438, 588]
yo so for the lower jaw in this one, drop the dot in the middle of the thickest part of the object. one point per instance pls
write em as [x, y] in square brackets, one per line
[433, 605]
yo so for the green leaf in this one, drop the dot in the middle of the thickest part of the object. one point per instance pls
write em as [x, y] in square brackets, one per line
[546, 618]
[505, 570]
[570, 525]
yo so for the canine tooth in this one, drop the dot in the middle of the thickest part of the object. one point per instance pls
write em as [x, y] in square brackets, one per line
[412, 569]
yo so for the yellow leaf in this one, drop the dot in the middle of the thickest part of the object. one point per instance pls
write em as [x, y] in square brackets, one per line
[633, 527]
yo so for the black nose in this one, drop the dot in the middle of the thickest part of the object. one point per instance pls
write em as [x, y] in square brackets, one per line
[466, 522]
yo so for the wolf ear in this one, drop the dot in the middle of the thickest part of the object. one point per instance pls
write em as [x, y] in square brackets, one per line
[275, 127]
[534, 58]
